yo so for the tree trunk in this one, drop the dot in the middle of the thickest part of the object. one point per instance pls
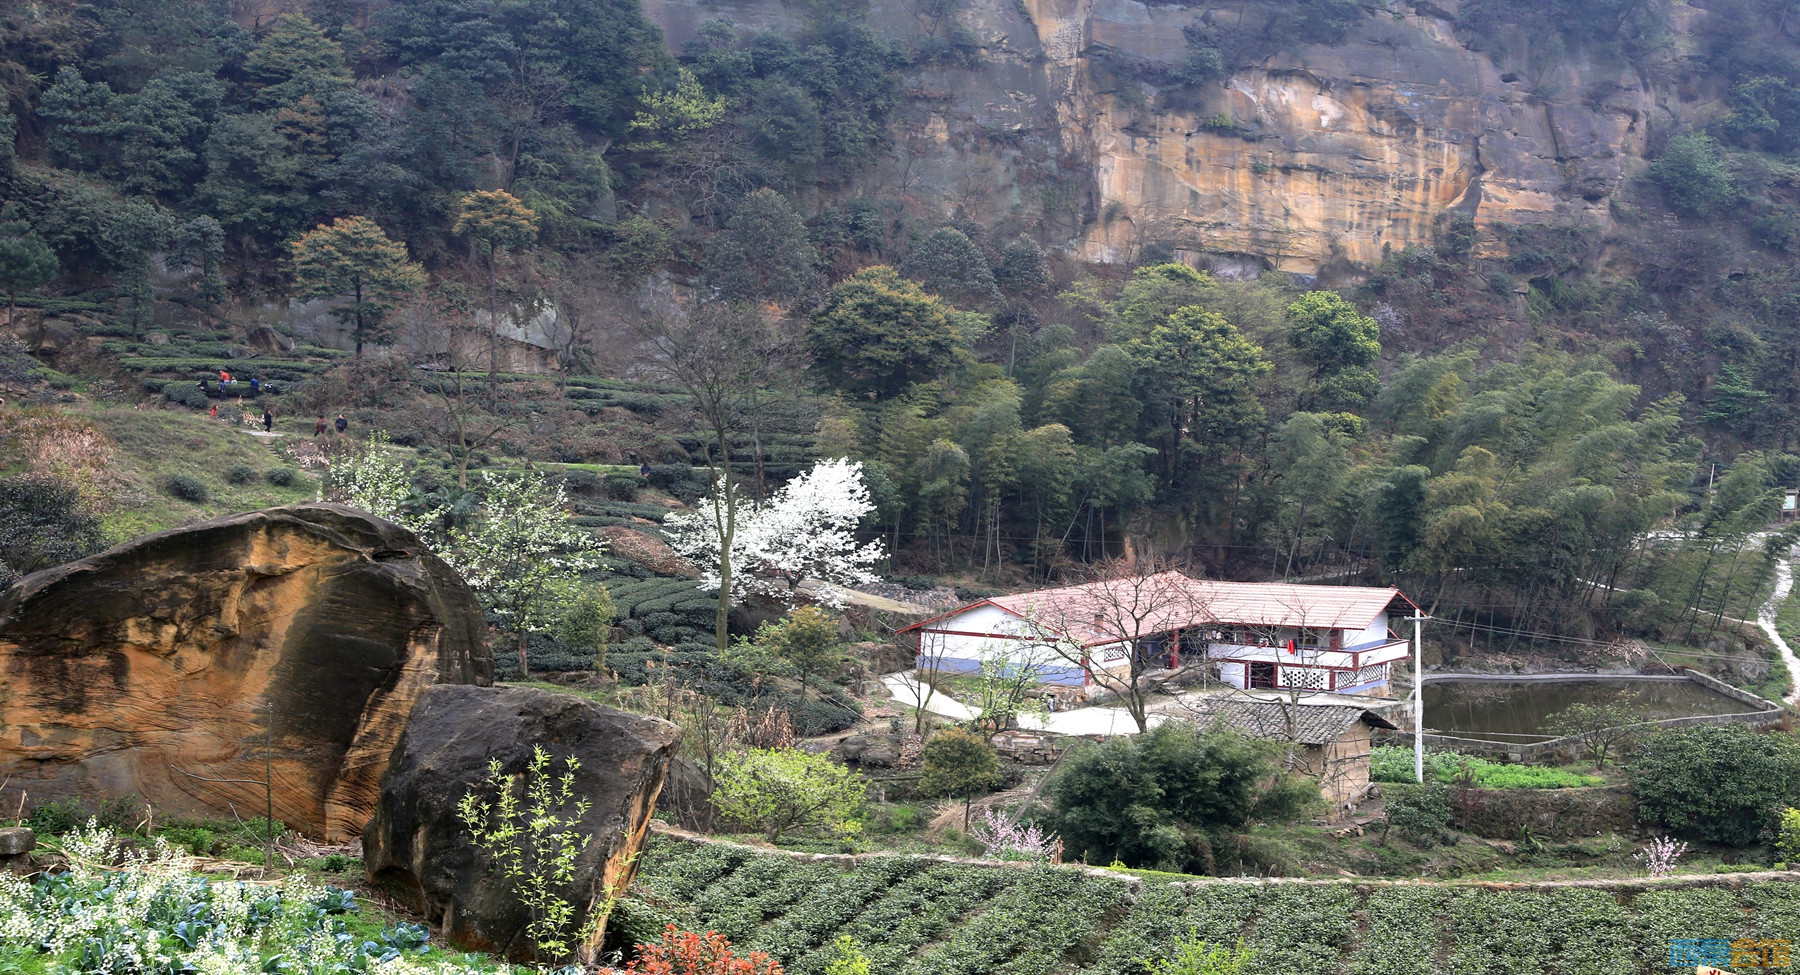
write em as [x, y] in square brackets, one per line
[968, 801]
[524, 669]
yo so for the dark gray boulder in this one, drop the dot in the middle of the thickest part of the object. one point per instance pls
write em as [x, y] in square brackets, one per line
[417, 848]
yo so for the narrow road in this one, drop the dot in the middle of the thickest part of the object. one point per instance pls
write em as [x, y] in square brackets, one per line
[1075, 721]
[1784, 583]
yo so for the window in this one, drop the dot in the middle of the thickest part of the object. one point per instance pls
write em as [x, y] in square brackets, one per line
[1307, 677]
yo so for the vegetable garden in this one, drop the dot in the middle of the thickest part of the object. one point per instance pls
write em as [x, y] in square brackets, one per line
[920, 916]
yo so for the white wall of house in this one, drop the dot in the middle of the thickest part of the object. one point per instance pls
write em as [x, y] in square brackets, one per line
[958, 644]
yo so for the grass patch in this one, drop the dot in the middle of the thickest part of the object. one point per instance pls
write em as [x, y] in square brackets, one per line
[157, 446]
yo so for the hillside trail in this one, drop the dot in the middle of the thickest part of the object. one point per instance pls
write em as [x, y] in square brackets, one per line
[1784, 584]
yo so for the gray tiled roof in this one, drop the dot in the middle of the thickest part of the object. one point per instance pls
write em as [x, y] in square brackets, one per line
[1315, 724]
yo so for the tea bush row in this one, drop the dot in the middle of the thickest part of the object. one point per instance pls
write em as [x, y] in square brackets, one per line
[962, 919]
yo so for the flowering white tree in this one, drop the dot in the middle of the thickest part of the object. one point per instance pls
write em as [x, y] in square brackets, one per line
[521, 555]
[372, 478]
[807, 530]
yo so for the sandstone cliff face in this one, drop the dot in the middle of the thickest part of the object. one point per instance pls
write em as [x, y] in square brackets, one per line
[1332, 152]
[171, 666]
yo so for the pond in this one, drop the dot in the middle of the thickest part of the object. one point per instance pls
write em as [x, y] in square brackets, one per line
[1515, 710]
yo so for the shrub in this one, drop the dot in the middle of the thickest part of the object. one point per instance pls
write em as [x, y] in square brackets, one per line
[1719, 783]
[187, 488]
[586, 620]
[1787, 838]
[281, 476]
[1420, 815]
[187, 394]
[1152, 800]
[685, 953]
[624, 487]
[56, 817]
[1691, 176]
[240, 474]
[774, 790]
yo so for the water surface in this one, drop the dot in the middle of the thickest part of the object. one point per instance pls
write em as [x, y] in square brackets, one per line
[1515, 710]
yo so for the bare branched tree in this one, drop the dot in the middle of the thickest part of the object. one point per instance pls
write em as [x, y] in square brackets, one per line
[1135, 625]
[725, 357]
[448, 340]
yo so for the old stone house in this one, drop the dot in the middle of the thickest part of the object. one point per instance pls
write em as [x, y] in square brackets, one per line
[1332, 741]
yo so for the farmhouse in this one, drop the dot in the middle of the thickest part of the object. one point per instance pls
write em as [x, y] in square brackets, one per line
[1255, 635]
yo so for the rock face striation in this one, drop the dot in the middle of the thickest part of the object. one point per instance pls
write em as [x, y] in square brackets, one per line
[1069, 125]
[191, 667]
[418, 848]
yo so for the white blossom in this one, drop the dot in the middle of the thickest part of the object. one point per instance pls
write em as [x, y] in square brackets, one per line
[806, 532]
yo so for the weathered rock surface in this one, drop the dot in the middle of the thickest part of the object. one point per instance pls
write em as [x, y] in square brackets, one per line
[1307, 156]
[880, 751]
[169, 667]
[418, 849]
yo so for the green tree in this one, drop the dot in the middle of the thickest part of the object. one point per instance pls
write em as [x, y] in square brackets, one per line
[1691, 176]
[948, 264]
[1718, 783]
[1156, 292]
[521, 555]
[1603, 728]
[1161, 799]
[1735, 404]
[135, 236]
[586, 620]
[26, 264]
[775, 790]
[200, 244]
[1022, 270]
[296, 60]
[494, 222]
[1340, 344]
[879, 333]
[961, 765]
[1198, 376]
[354, 260]
[762, 254]
[807, 639]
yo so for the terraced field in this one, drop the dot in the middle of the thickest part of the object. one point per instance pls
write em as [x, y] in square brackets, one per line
[919, 916]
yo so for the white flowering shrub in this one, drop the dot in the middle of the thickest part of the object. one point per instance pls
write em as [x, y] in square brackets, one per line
[147, 913]
[807, 530]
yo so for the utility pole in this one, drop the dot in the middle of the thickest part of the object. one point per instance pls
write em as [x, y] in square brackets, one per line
[1418, 622]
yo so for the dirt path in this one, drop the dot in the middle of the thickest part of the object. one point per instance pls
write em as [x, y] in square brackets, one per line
[1784, 583]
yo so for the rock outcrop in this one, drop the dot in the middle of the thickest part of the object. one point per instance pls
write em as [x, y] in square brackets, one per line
[1069, 125]
[418, 849]
[175, 666]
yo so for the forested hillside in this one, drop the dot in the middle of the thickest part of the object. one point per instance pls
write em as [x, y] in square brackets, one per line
[1476, 338]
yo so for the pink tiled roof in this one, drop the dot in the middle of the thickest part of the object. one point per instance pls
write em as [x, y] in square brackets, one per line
[1170, 600]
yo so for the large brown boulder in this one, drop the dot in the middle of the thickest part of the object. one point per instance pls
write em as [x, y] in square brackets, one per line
[170, 667]
[418, 849]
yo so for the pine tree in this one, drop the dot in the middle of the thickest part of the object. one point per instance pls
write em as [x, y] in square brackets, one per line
[354, 259]
[26, 264]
